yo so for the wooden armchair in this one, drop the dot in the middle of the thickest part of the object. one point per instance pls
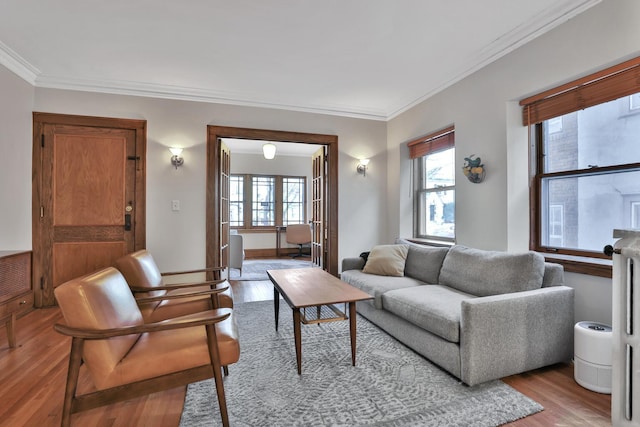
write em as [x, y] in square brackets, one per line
[145, 280]
[126, 357]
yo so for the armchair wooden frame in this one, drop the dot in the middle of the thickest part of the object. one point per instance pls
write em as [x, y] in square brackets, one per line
[214, 291]
[145, 279]
[214, 279]
[215, 271]
[207, 319]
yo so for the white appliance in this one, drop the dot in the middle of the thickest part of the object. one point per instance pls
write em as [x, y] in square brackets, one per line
[592, 356]
[625, 389]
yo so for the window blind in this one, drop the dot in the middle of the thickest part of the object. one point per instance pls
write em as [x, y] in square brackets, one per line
[604, 86]
[432, 143]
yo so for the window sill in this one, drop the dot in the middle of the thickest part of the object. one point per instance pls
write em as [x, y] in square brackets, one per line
[255, 230]
[430, 242]
[583, 265]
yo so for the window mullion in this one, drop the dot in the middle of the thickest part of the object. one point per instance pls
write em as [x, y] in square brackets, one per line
[248, 202]
[278, 200]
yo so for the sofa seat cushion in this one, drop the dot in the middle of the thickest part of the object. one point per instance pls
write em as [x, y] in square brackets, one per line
[434, 308]
[483, 273]
[376, 285]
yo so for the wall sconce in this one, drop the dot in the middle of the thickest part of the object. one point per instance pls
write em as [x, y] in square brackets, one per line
[176, 159]
[269, 151]
[362, 166]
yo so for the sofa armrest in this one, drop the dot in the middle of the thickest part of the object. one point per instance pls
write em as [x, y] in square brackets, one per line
[506, 334]
[352, 263]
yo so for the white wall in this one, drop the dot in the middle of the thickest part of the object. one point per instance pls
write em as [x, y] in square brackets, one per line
[484, 109]
[15, 173]
[177, 239]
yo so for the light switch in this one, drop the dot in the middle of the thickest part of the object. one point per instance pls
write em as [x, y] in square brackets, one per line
[175, 205]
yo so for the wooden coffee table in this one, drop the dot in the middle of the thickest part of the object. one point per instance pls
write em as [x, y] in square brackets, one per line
[304, 288]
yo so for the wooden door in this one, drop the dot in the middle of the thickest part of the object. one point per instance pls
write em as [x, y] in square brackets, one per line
[318, 212]
[88, 201]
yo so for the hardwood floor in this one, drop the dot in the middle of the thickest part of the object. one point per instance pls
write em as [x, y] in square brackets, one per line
[32, 380]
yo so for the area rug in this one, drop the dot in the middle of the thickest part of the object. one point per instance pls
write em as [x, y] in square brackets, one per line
[390, 385]
[256, 269]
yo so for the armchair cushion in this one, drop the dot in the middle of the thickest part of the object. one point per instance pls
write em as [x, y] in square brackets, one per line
[177, 351]
[108, 304]
[140, 270]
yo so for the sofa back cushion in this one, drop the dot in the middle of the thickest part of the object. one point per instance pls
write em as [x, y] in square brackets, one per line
[424, 262]
[482, 273]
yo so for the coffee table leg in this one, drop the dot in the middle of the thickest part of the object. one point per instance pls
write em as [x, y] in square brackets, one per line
[276, 305]
[298, 339]
[352, 331]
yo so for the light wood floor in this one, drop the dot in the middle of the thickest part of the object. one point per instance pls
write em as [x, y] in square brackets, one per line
[32, 383]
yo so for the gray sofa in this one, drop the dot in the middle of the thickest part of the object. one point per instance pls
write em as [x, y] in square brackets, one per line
[480, 315]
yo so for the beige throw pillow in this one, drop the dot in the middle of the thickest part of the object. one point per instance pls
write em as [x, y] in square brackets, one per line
[386, 260]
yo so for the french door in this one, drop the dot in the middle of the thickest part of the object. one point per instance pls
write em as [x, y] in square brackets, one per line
[217, 211]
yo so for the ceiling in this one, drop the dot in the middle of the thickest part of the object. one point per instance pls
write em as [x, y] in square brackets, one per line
[371, 59]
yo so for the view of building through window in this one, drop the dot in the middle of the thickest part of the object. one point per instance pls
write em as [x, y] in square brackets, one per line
[590, 175]
[436, 195]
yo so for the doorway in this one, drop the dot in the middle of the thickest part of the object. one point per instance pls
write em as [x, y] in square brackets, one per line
[218, 161]
[88, 196]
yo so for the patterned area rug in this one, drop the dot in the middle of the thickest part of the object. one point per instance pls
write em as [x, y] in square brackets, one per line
[389, 386]
[256, 269]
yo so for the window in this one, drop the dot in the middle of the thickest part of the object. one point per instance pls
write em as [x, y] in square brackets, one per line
[261, 201]
[293, 200]
[587, 171]
[236, 201]
[434, 211]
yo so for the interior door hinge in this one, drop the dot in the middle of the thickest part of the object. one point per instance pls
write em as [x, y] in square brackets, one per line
[42, 141]
[41, 283]
[41, 211]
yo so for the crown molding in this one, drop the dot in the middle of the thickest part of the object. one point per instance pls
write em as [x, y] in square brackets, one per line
[509, 42]
[196, 94]
[17, 64]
